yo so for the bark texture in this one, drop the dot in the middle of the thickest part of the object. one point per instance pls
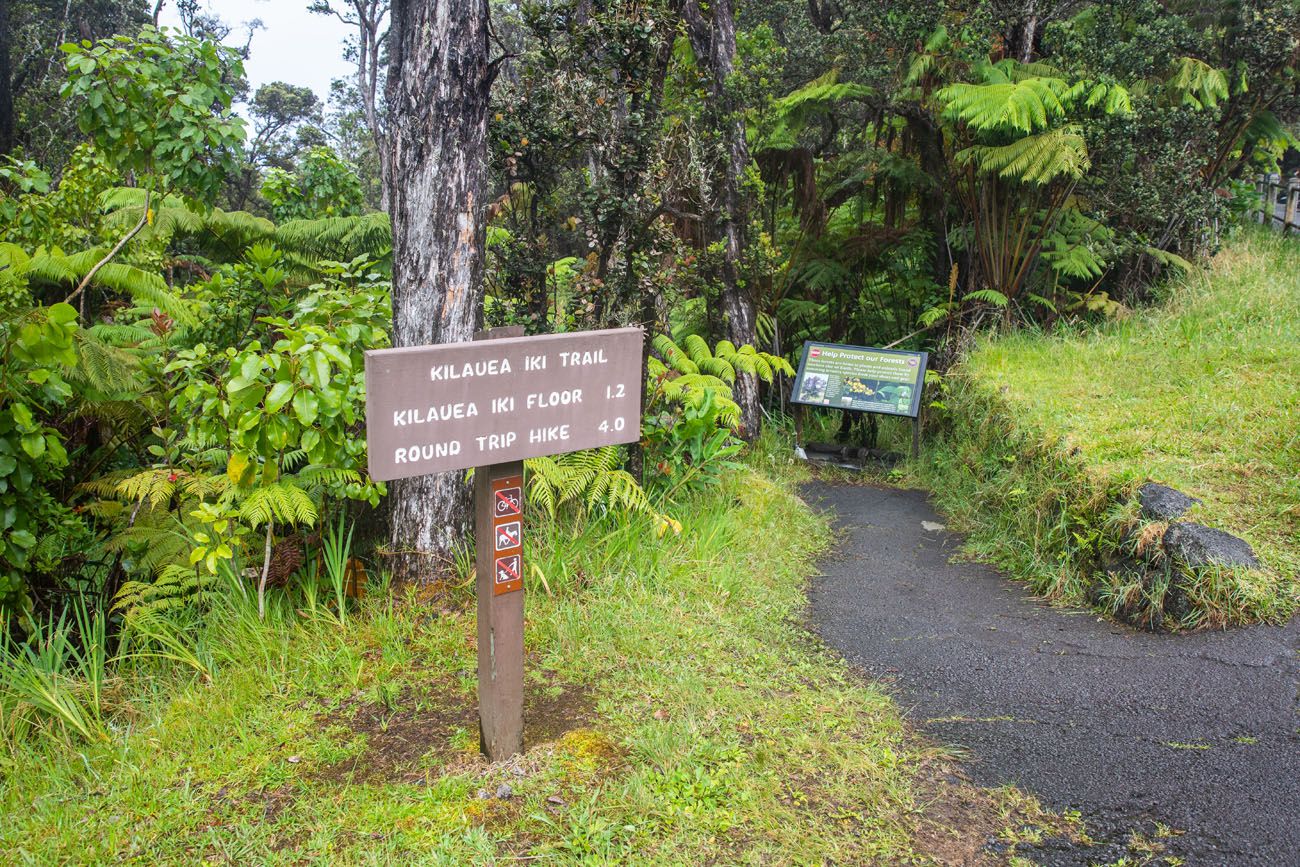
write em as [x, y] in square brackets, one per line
[712, 30]
[438, 84]
[6, 75]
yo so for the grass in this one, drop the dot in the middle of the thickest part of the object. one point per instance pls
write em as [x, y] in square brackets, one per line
[677, 713]
[1201, 393]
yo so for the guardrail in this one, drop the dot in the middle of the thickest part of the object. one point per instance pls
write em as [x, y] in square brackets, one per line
[1279, 202]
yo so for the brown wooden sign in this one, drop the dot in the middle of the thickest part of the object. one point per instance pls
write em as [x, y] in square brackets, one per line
[430, 409]
[490, 404]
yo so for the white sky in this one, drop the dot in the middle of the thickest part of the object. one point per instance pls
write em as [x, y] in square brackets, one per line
[293, 46]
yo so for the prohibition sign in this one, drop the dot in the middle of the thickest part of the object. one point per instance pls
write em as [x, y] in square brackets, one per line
[508, 569]
[509, 502]
[508, 536]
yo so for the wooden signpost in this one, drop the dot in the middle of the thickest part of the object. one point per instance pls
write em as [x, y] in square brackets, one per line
[490, 404]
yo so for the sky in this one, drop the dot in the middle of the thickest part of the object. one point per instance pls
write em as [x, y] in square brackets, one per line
[293, 45]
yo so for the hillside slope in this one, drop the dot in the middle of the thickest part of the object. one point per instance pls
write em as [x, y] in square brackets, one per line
[1201, 393]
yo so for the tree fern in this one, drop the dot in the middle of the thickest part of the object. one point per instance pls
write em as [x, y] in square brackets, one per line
[1025, 106]
[282, 502]
[1034, 159]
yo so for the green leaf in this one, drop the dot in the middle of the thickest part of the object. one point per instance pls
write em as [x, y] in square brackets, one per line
[306, 407]
[22, 416]
[280, 394]
[61, 313]
[34, 444]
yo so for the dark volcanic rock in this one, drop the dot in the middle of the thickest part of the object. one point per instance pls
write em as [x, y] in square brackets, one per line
[1163, 503]
[1197, 546]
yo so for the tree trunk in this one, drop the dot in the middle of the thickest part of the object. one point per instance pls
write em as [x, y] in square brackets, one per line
[714, 43]
[6, 82]
[439, 79]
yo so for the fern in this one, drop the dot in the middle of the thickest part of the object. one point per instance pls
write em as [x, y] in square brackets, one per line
[281, 502]
[989, 296]
[1024, 106]
[591, 481]
[155, 486]
[1198, 85]
[1034, 159]
[173, 587]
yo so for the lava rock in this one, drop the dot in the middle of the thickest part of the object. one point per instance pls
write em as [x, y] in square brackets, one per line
[1197, 546]
[1163, 503]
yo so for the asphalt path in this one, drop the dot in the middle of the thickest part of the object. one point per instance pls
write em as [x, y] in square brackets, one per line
[1199, 731]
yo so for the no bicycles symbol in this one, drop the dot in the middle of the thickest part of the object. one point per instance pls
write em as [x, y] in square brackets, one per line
[509, 502]
[508, 536]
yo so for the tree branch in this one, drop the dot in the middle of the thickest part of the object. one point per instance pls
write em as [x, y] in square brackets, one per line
[117, 248]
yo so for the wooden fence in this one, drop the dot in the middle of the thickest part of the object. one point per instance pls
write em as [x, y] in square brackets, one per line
[1279, 202]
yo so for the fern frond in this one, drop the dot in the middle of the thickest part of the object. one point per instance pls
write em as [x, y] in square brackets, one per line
[281, 502]
[1034, 159]
[988, 296]
[156, 486]
[673, 355]
[1022, 106]
[1197, 84]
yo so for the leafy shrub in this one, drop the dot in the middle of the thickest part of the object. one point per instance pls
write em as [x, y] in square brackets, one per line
[690, 418]
[322, 185]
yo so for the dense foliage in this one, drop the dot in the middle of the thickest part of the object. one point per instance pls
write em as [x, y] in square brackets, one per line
[185, 296]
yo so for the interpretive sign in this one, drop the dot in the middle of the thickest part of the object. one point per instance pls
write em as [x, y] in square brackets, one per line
[860, 378]
[489, 404]
[430, 409]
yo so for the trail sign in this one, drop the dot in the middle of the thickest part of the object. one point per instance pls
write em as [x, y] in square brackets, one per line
[430, 409]
[489, 404]
[860, 379]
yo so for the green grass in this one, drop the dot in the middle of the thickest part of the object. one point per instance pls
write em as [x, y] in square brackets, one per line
[1201, 393]
[678, 714]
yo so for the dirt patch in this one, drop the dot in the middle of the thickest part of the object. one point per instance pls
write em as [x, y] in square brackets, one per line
[426, 733]
[961, 824]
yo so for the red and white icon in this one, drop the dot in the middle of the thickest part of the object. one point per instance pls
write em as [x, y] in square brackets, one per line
[508, 536]
[814, 352]
[508, 569]
[509, 502]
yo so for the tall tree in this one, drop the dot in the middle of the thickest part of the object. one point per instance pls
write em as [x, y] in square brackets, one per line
[371, 19]
[712, 30]
[31, 31]
[439, 79]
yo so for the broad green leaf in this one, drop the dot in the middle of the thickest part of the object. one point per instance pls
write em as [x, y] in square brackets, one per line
[280, 394]
[306, 407]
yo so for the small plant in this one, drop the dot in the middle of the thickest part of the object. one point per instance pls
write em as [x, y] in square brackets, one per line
[336, 548]
[59, 672]
[690, 420]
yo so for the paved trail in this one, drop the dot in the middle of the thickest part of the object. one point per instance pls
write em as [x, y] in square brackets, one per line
[1200, 731]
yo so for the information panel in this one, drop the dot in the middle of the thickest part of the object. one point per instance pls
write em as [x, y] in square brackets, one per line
[860, 378]
[430, 409]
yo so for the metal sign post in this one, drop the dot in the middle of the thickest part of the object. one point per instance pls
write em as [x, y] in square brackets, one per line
[489, 404]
